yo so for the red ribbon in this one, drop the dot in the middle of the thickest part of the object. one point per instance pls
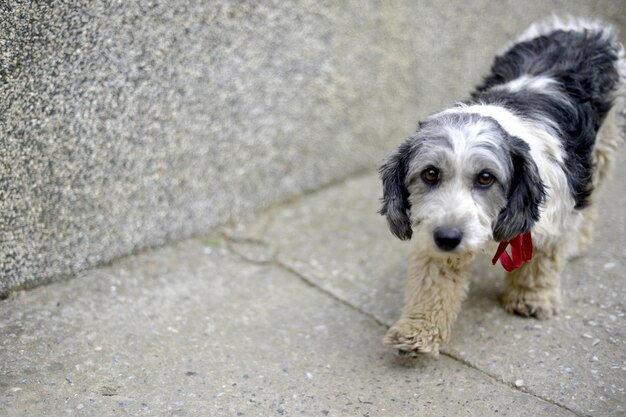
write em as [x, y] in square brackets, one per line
[521, 251]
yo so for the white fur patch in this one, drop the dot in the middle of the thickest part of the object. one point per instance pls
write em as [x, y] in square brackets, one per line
[548, 154]
[542, 139]
[566, 23]
[538, 83]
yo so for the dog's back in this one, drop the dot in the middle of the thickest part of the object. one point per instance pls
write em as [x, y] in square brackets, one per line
[583, 59]
[572, 73]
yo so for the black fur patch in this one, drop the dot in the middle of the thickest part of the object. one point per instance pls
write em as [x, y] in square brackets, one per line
[396, 206]
[583, 65]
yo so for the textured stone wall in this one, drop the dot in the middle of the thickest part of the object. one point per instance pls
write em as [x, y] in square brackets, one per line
[125, 124]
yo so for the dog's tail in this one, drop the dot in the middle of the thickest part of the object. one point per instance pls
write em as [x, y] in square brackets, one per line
[567, 24]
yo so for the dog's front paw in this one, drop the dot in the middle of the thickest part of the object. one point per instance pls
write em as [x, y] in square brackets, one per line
[413, 337]
[541, 304]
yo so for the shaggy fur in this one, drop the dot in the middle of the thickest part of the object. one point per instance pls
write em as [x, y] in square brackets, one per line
[524, 153]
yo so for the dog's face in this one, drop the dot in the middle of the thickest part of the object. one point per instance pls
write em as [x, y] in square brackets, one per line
[460, 182]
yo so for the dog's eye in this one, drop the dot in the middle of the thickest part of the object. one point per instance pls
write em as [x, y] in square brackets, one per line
[430, 176]
[485, 179]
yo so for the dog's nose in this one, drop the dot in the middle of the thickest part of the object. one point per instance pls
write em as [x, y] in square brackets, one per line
[448, 239]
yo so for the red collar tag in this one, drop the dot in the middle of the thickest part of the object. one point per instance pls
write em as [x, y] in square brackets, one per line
[521, 251]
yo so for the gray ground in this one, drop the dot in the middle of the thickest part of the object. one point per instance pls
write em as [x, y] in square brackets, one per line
[284, 316]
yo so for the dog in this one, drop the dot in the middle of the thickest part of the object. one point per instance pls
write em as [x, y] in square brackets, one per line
[516, 164]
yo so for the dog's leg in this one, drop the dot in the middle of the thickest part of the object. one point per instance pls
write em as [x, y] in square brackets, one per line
[610, 137]
[435, 291]
[535, 288]
[584, 237]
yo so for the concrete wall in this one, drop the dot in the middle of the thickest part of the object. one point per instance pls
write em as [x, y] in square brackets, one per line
[125, 124]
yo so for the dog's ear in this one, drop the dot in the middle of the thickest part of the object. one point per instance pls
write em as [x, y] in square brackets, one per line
[525, 194]
[395, 199]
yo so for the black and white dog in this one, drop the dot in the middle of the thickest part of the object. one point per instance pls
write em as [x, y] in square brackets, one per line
[523, 154]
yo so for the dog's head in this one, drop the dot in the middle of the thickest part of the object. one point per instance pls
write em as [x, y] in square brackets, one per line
[459, 182]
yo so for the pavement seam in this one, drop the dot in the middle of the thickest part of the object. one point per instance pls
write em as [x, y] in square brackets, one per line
[508, 384]
[281, 265]
[462, 361]
[274, 261]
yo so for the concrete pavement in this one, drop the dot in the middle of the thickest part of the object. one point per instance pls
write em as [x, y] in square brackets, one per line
[284, 316]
